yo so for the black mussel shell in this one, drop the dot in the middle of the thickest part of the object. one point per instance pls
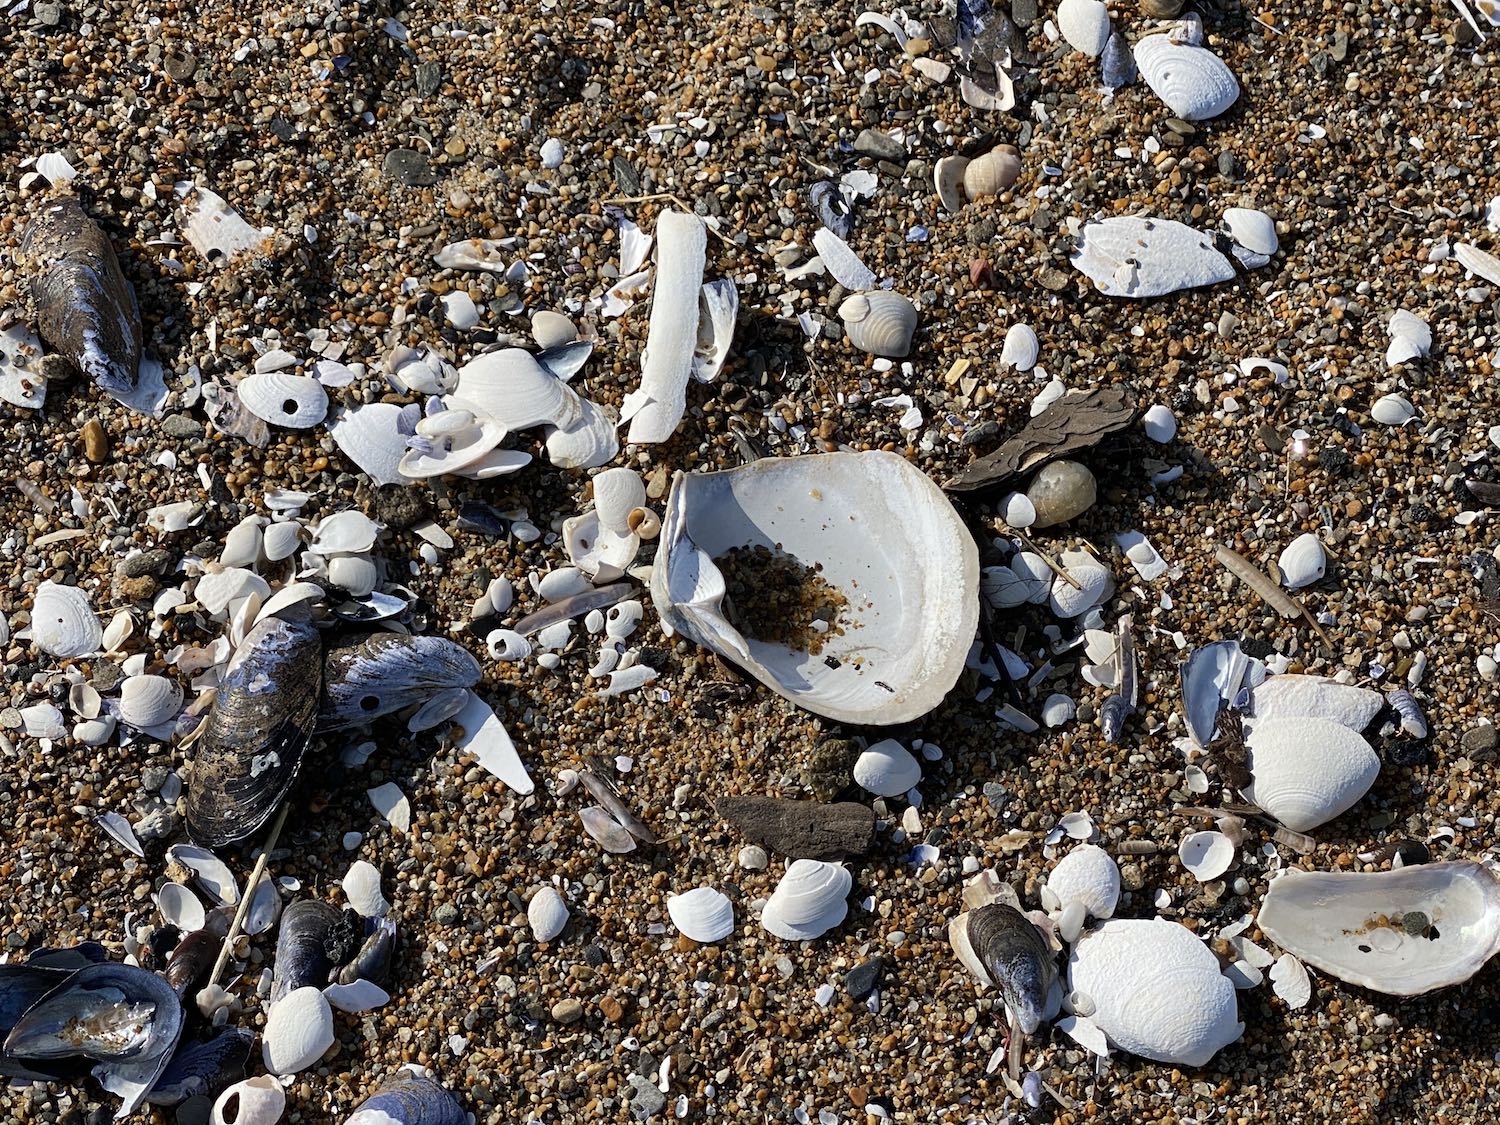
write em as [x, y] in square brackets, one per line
[302, 946]
[192, 961]
[375, 674]
[203, 1068]
[411, 1099]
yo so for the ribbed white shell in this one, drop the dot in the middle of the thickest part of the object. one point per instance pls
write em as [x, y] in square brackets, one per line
[282, 399]
[1087, 874]
[1021, 349]
[546, 914]
[1194, 82]
[511, 387]
[63, 624]
[703, 914]
[1302, 562]
[1291, 695]
[809, 901]
[149, 701]
[346, 532]
[616, 493]
[299, 1029]
[1308, 770]
[880, 322]
[887, 769]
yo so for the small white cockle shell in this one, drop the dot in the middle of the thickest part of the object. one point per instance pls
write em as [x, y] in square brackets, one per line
[1393, 410]
[703, 914]
[1303, 562]
[63, 624]
[1252, 229]
[809, 901]
[179, 907]
[1021, 349]
[1194, 83]
[1411, 338]
[299, 1029]
[879, 322]
[1305, 771]
[546, 913]
[294, 401]
[886, 769]
[346, 532]
[149, 701]
[1085, 25]
[361, 885]
[256, 1101]
[1087, 874]
[1206, 855]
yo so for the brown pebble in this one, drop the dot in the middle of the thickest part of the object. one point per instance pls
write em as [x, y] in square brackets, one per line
[612, 1009]
[95, 441]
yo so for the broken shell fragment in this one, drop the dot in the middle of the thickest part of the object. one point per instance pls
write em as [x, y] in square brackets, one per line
[880, 322]
[1401, 932]
[718, 306]
[1160, 424]
[948, 179]
[361, 885]
[1206, 855]
[809, 901]
[375, 674]
[655, 409]
[255, 1101]
[1290, 695]
[588, 442]
[1085, 25]
[1194, 82]
[1139, 257]
[512, 388]
[1306, 771]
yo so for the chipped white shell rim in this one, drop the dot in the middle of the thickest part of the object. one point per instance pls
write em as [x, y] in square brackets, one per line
[896, 533]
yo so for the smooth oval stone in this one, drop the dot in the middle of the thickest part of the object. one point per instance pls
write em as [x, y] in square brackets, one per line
[1060, 492]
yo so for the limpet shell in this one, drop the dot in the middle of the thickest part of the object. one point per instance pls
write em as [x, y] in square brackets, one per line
[879, 322]
[1085, 25]
[294, 401]
[948, 179]
[1254, 230]
[703, 914]
[1021, 349]
[1194, 83]
[1302, 562]
[63, 624]
[992, 173]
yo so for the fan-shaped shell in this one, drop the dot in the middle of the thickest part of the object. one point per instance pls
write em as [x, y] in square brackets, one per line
[1402, 932]
[1085, 25]
[282, 399]
[879, 322]
[63, 624]
[616, 493]
[255, 733]
[887, 769]
[1252, 229]
[879, 529]
[1089, 875]
[809, 901]
[589, 441]
[1194, 83]
[512, 388]
[1139, 257]
[255, 1101]
[992, 173]
[346, 532]
[86, 311]
[1157, 990]
[1003, 588]
[361, 885]
[302, 946]
[1302, 562]
[1306, 770]
[948, 179]
[1393, 410]
[546, 913]
[703, 914]
[149, 701]
[1292, 696]
[375, 674]
[371, 437]
[409, 1099]
[1021, 349]
[299, 1029]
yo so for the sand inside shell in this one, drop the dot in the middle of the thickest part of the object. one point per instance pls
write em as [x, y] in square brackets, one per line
[775, 598]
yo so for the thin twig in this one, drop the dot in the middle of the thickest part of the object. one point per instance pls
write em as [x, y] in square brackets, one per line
[255, 877]
[1046, 558]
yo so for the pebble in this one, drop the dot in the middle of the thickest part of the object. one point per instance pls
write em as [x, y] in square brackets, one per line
[181, 426]
[863, 979]
[1480, 739]
[569, 1010]
[95, 441]
[409, 168]
[879, 146]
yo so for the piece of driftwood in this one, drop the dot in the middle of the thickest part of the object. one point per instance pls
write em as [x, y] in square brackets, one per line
[1077, 421]
[802, 829]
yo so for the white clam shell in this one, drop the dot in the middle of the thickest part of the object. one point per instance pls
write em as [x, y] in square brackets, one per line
[512, 388]
[948, 179]
[149, 701]
[1291, 696]
[1194, 82]
[546, 913]
[370, 436]
[718, 308]
[1085, 25]
[1206, 855]
[216, 590]
[704, 914]
[1157, 990]
[552, 329]
[1139, 257]
[356, 997]
[209, 871]
[1306, 771]
[1033, 570]
[589, 442]
[809, 901]
[63, 624]
[357, 575]
[1160, 424]
[361, 885]
[346, 532]
[455, 451]
[1093, 581]
[917, 602]
[294, 401]
[1021, 349]
[599, 552]
[42, 720]
[992, 173]
[1058, 709]
[1302, 562]
[1003, 588]
[616, 493]
[1393, 410]
[887, 769]
[255, 1101]
[1087, 874]
[880, 322]
[655, 409]
[242, 544]
[299, 1029]
[459, 310]
[1353, 924]
[95, 732]
[179, 907]
[1252, 229]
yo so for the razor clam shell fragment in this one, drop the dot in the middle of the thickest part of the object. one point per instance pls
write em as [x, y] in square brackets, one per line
[86, 311]
[365, 677]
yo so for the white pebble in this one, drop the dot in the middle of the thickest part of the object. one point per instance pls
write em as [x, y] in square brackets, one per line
[1160, 424]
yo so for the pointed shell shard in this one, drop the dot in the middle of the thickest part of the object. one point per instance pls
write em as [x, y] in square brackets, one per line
[672, 334]
[718, 306]
[1194, 83]
[1138, 257]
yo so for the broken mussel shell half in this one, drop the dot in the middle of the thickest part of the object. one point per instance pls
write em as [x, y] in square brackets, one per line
[376, 674]
[1003, 949]
[876, 532]
[256, 732]
[86, 311]
[1401, 932]
[126, 1019]
[409, 1097]
[307, 927]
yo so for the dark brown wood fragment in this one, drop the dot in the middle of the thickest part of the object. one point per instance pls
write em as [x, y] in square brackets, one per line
[802, 829]
[1077, 421]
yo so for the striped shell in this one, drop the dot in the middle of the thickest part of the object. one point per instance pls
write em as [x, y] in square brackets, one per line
[1194, 83]
[1022, 349]
[809, 901]
[992, 173]
[702, 914]
[511, 387]
[1306, 771]
[293, 401]
[879, 322]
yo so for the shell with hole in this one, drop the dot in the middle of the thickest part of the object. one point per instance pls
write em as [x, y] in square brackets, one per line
[992, 173]
[63, 624]
[374, 674]
[1401, 932]
[810, 900]
[1305, 771]
[875, 526]
[282, 399]
[1137, 256]
[1194, 82]
[255, 1101]
[879, 322]
[1157, 990]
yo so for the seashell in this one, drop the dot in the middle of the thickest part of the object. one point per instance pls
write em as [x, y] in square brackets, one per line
[1401, 932]
[210, 872]
[1061, 491]
[200, 1068]
[1093, 581]
[375, 674]
[511, 388]
[918, 603]
[1022, 348]
[1206, 855]
[887, 770]
[63, 624]
[809, 901]
[546, 913]
[1413, 722]
[346, 532]
[1411, 338]
[218, 589]
[149, 701]
[477, 730]
[292, 594]
[1057, 709]
[264, 908]
[1032, 570]
[1160, 424]
[42, 720]
[602, 554]
[298, 1031]
[507, 645]
[1254, 230]
[718, 307]
[606, 831]
[880, 322]
[1306, 771]
[1194, 83]
[552, 329]
[993, 173]
[307, 926]
[1018, 511]
[371, 437]
[1085, 25]
[21, 380]
[361, 885]
[459, 310]
[560, 584]
[215, 229]
[95, 732]
[589, 442]
[357, 996]
[408, 1098]
[1139, 257]
[255, 1101]
[256, 732]
[242, 544]
[655, 409]
[373, 961]
[1003, 949]
[1117, 67]
[439, 709]
[294, 401]
[452, 452]
[1002, 587]
[85, 309]
[1302, 562]
[644, 522]
[1157, 990]
[841, 262]
[948, 179]
[617, 492]
[473, 254]
[356, 575]
[1292, 696]
[1480, 263]
[1211, 680]
[179, 907]
[703, 914]
[1393, 410]
[1086, 875]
